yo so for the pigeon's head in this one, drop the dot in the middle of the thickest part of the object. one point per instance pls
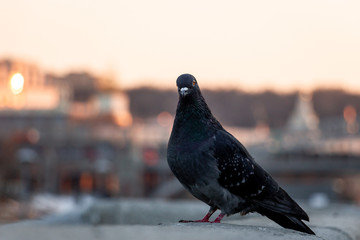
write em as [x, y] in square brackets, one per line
[187, 85]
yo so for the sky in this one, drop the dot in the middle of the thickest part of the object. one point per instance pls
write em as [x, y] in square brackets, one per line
[253, 45]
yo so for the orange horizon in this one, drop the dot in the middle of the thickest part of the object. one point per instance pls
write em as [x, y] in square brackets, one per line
[211, 84]
[250, 45]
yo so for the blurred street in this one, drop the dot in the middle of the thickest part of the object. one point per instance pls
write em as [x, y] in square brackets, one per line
[86, 138]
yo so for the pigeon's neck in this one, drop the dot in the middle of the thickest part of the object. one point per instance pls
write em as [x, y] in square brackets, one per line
[194, 113]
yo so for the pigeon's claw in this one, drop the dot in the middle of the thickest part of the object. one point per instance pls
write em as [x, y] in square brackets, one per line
[205, 219]
[188, 221]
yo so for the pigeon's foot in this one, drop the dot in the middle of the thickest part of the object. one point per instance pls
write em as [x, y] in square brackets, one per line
[218, 219]
[206, 219]
[188, 221]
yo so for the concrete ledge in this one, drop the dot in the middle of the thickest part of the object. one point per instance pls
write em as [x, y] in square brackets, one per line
[158, 219]
[178, 231]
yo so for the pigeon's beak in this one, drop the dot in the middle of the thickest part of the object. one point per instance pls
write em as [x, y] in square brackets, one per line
[184, 91]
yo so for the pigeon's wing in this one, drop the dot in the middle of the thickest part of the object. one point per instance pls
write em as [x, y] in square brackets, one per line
[242, 176]
[239, 173]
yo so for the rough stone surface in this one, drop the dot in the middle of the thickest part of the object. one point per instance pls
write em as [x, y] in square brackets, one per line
[158, 219]
[169, 231]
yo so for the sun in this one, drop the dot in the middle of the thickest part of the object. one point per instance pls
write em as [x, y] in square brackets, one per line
[17, 83]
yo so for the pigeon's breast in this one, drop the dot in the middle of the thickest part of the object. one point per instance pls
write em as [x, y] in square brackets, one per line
[195, 165]
[192, 161]
[198, 173]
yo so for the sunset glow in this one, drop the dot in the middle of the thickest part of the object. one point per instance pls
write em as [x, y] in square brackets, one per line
[251, 45]
[17, 83]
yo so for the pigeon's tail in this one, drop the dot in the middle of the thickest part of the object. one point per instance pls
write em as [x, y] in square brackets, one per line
[286, 221]
[282, 209]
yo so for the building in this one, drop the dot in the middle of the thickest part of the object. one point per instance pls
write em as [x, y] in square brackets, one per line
[74, 130]
[303, 117]
[23, 88]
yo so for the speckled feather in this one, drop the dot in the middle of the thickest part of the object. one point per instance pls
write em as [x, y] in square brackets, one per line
[217, 169]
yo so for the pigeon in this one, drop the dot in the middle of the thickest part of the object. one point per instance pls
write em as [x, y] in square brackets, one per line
[217, 169]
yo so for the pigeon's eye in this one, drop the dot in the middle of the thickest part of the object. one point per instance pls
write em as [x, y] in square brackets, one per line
[194, 82]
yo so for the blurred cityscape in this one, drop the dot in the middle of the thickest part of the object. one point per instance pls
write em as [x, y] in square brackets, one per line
[79, 134]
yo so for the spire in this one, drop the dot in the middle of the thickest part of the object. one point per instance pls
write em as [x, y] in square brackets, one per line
[303, 117]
